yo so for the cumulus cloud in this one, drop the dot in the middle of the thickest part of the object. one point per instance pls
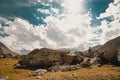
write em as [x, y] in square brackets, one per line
[70, 29]
[22, 35]
[110, 29]
[0, 26]
[3, 20]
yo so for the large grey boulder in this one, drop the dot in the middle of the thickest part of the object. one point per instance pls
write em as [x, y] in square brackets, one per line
[73, 59]
[63, 68]
[43, 58]
[38, 72]
[96, 62]
[86, 62]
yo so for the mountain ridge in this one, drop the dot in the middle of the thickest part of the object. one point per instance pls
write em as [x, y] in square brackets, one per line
[112, 45]
[5, 51]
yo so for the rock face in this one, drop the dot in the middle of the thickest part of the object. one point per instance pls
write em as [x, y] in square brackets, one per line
[110, 51]
[58, 60]
[110, 57]
[6, 52]
[43, 58]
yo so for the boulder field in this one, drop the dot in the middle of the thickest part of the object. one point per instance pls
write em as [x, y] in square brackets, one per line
[63, 60]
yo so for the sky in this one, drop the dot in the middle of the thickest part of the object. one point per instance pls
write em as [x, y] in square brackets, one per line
[58, 24]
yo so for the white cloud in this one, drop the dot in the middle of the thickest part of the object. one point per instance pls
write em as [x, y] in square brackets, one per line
[22, 36]
[46, 11]
[70, 30]
[111, 29]
[3, 20]
[73, 7]
[0, 26]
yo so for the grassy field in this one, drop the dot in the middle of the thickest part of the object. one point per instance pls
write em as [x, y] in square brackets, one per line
[106, 72]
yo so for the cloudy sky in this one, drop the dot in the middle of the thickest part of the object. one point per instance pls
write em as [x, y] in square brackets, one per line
[58, 24]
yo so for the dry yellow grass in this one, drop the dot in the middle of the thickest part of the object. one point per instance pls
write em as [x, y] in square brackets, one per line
[106, 72]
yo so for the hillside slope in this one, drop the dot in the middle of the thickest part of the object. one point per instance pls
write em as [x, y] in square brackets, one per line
[110, 50]
[113, 44]
[5, 51]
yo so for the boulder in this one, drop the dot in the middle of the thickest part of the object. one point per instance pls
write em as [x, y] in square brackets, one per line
[63, 68]
[73, 59]
[96, 62]
[38, 72]
[86, 62]
[19, 66]
[73, 75]
[43, 58]
[89, 53]
[4, 77]
[110, 57]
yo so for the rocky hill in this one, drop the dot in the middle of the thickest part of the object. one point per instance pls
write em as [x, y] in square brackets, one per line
[110, 51]
[112, 45]
[5, 51]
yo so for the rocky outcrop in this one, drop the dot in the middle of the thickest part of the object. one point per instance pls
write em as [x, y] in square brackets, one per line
[61, 60]
[43, 58]
[73, 59]
[58, 60]
[111, 57]
[95, 62]
[6, 52]
[110, 51]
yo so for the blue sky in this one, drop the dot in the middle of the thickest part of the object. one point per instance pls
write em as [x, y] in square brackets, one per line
[72, 24]
[26, 10]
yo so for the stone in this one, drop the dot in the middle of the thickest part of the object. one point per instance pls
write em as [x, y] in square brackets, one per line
[86, 62]
[96, 61]
[19, 66]
[4, 77]
[73, 75]
[38, 72]
[110, 57]
[39, 77]
[43, 58]
[64, 68]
